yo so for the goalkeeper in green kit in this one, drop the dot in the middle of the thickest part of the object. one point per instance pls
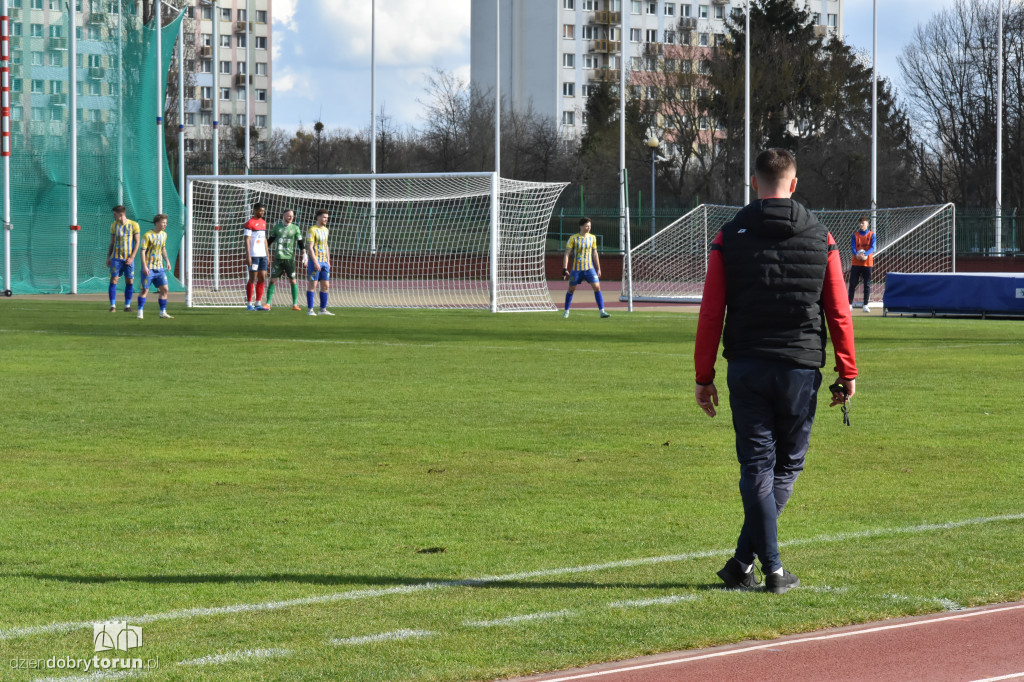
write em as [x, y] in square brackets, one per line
[282, 240]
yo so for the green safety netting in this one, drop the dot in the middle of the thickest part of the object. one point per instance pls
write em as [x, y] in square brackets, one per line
[117, 122]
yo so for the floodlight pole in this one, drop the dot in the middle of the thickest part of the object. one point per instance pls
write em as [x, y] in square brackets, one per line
[998, 247]
[248, 77]
[373, 126]
[496, 180]
[5, 135]
[181, 137]
[120, 103]
[215, 15]
[746, 112]
[623, 175]
[73, 135]
[161, 96]
[874, 116]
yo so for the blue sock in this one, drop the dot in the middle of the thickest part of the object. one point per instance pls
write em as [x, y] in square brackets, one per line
[600, 299]
[309, 299]
[568, 299]
[113, 295]
[128, 291]
[163, 305]
[323, 300]
[142, 302]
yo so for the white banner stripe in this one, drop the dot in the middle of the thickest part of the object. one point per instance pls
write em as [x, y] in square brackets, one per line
[27, 631]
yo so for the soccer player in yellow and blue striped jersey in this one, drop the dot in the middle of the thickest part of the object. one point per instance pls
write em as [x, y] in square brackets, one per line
[124, 244]
[319, 266]
[154, 264]
[586, 265]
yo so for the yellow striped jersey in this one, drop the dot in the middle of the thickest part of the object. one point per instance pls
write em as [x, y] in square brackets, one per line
[317, 238]
[124, 236]
[153, 244]
[582, 248]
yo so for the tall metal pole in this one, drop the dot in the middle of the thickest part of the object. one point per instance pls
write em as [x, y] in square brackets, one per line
[120, 103]
[181, 142]
[216, 144]
[999, 137]
[5, 135]
[654, 151]
[73, 136]
[874, 116]
[497, 91]
[624, 241]
[746, 113]
[373, 125]
[161, 97]
[496, 180]
[248, 78]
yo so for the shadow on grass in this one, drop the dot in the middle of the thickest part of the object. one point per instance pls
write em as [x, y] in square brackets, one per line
[369, 582]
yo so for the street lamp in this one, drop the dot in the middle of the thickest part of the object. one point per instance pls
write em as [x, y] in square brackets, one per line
[653, 144]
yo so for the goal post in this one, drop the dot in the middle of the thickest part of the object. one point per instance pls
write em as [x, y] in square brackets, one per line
[670, 266]
[417, 240]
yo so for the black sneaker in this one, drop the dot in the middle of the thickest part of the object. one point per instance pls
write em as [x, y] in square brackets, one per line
[734, 577]
[780, 584]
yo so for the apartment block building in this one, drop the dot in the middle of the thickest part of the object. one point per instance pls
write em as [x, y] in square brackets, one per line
[225, 80]
[553, 51]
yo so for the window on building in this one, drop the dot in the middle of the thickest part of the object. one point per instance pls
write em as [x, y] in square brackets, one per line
[37, 59]
[17, 113]
[685, 10]
[35, 30]
[590, 61]
[55, 59]
[36, 4]
[651, 92]
[569, 118]
[205, 66]
[635, 63]
[589, 5]
[585, 90]
[240, 40]
[568, 89]
[261, 68]
[651, 63]
[94, 60]
[260, 120]
[225, 13]
[225, 41]
[651, 36]
[261, 16]
[587, 32]
[569, 60]
[670, 9]
[686, 66]
[568, 31]
[702, 11]
[38, 114]
[833, 20]
[205, 118]
[225, 94]
[56, 87]
[261, 95]
[568, 4]
[16, 29]
[94, 33]
[38, 86]
[190, 118]
[240, 68]
[719, 12]
[206, 39]
[241, 15]
[652, 8]
[636, 6]
[207, 13]
[670, 37]
[634, 35]
[190, 92]
[57, 113]
[225, 67]
[190, 145]
[225, 119]
[719, 39]
[95, 88]
[240, 120]
[206, 92]
[704, 40]
[261, 42]
[816, 18]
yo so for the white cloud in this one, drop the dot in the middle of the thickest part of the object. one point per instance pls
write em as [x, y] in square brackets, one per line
[284, 83]
[284, 14]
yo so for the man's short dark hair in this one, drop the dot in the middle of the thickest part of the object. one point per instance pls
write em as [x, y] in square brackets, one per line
[320, 212]
[584, 221]
[257, 207]
[118, 209]
[158, 217]
[864, 219]
[774, 164]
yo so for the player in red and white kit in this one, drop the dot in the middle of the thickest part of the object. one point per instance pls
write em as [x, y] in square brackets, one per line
[256, 258]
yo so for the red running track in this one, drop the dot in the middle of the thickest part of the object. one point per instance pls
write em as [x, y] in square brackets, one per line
[973, 645]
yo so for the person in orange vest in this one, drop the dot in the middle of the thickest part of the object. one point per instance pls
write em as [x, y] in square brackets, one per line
[862, 243]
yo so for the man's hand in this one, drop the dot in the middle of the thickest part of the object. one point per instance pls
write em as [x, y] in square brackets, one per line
[707, 398]
[108, 261]
[850, 386]
[599, 272]
[145, 271]
[565, 273]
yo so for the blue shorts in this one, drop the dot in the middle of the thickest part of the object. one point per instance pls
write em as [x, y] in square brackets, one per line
[259, 264]
[156, 278]
[577, 276]
[119, 267]
[323, 275]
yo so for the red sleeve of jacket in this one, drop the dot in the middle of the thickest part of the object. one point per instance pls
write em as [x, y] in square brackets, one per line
[837, 313]
[712, 316]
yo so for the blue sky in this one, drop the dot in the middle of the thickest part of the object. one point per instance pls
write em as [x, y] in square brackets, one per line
[322, 53]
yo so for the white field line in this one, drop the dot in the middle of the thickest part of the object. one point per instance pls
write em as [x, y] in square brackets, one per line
[777, 644]
[31, 630]
[640, 603]
[946, 604]
[383, 637]
[91, 677]
[512, 620]
[233, 656]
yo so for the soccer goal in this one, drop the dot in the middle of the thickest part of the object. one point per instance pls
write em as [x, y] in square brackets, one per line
[670, 266]
[468, 240]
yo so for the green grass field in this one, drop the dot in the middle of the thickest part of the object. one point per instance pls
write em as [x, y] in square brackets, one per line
[421, 495]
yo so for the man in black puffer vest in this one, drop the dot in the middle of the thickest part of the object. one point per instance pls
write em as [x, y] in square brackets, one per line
[775, 280]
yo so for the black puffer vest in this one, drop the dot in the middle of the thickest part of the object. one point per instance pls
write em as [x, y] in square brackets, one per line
[775, 253]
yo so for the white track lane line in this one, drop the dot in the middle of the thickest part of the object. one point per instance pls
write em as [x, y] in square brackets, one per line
[179, 614]
[790, 642]
[1012, 676]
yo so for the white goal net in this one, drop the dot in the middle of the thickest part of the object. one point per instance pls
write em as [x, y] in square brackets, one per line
[670, 266]
[466, 240]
